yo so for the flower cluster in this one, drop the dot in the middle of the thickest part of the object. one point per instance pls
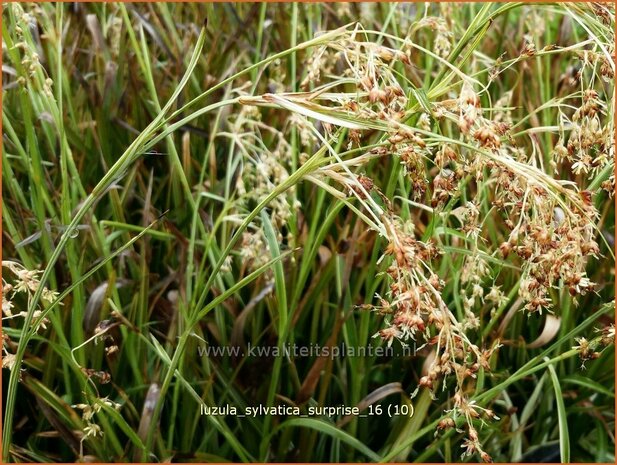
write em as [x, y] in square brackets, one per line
[35, 76]
[553, 243]
[25, 282]
[369, 66]
[590, 146]
[415, 310]
[551, 226]
[443, 34]
[88, 412]
[470, 411]
[261, 170]
[591, 350]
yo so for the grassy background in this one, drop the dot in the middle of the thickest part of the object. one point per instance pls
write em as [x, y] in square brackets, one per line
[113, 68]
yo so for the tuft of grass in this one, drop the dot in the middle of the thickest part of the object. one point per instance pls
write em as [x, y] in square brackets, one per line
[181, 181]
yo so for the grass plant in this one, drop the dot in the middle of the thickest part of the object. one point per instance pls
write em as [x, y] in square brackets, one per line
[388, 175]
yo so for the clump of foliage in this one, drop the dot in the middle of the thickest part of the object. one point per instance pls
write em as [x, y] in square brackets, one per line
[438, 176]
